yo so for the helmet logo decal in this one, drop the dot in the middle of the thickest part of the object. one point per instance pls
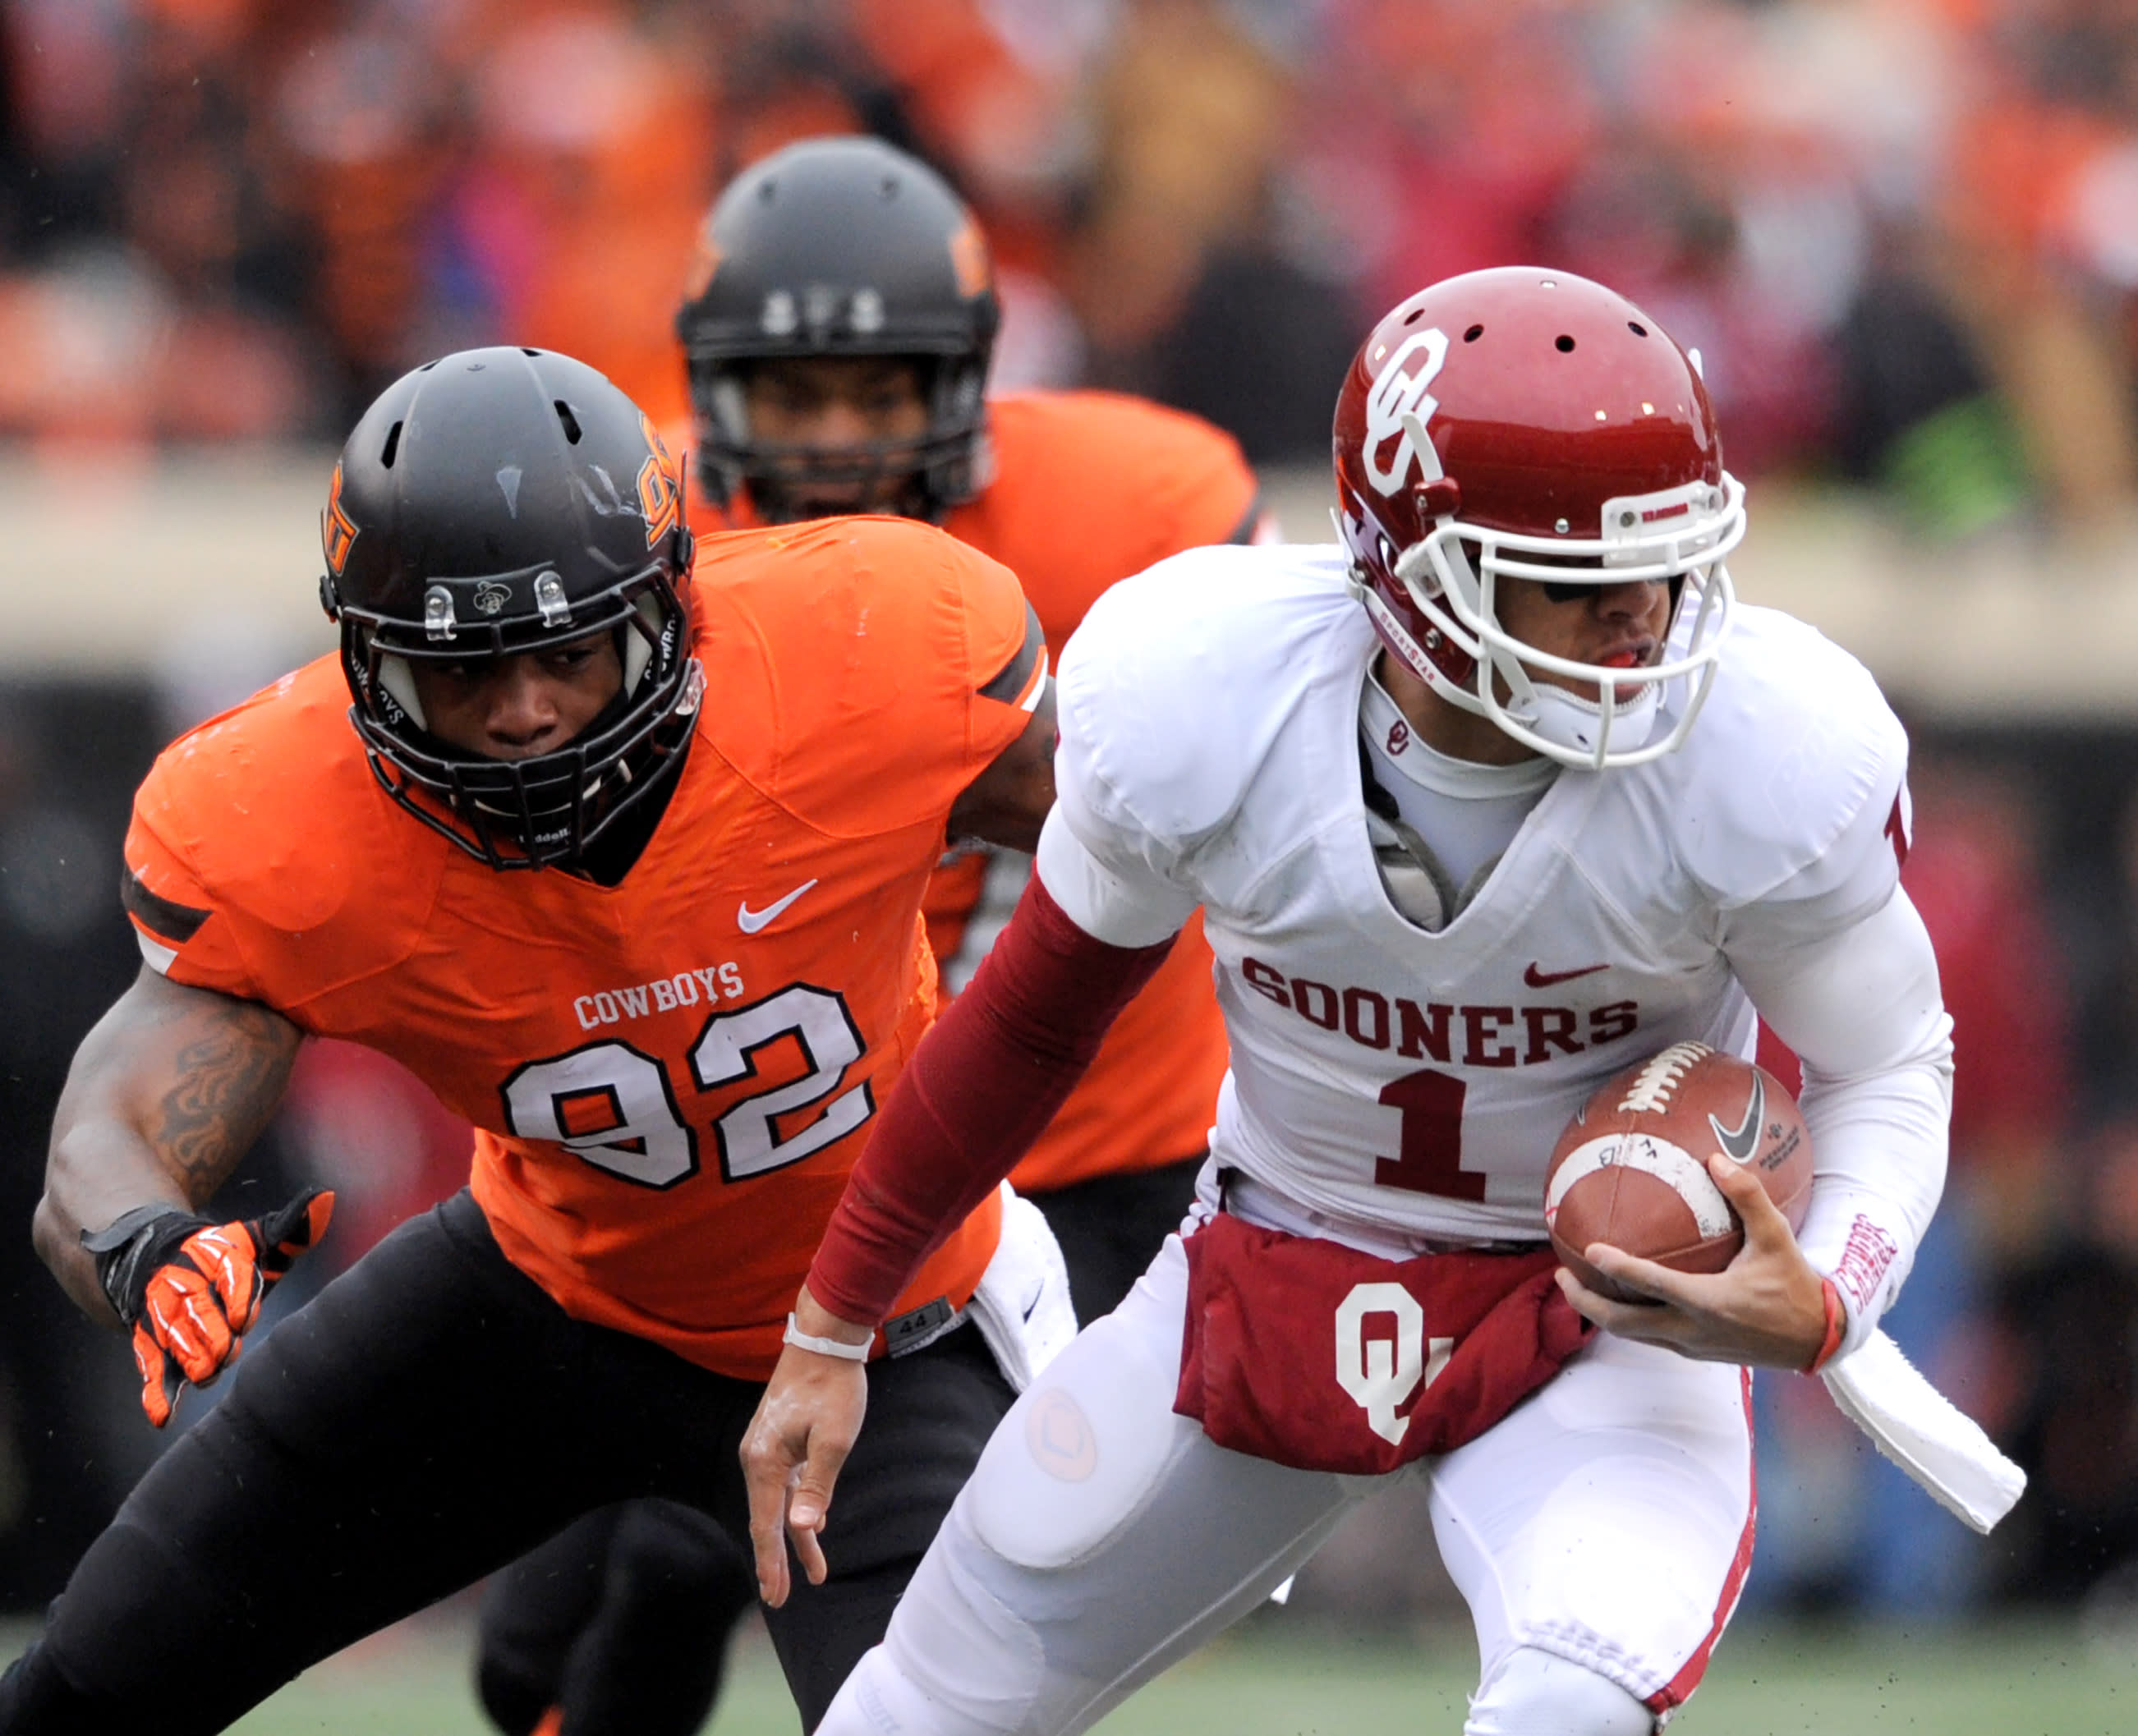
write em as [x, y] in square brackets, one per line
[1398, 408]
[491, 597]
[659, 497]
[969, 260]
[338, 531]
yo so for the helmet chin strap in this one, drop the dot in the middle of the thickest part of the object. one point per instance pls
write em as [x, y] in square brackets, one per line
[1541, 714]
[637, 648]
[396, 678]
[1567, 720]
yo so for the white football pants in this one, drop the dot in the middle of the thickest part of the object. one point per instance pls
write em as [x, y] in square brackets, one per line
[1605, 1523]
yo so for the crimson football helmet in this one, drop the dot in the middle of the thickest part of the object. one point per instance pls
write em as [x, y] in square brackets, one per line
[1526, 423]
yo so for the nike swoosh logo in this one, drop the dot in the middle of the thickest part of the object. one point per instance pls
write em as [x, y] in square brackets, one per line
[751, 921]
[1739, 1142]
[1545, 979]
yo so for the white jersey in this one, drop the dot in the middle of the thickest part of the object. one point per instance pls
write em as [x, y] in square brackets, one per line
[1405, 1085]
[1396, 1087]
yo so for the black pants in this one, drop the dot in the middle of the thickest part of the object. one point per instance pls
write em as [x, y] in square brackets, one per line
[621, 1621]
[569, 1625]
[1112, 1226]
[429, 1416]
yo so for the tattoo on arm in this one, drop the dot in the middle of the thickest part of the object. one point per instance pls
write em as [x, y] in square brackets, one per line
[229, 1079]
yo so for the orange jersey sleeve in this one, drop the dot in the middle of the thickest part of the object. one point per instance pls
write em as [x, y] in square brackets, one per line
[251, 837]
[897, 632]
[1090, 487]
[670, 1077]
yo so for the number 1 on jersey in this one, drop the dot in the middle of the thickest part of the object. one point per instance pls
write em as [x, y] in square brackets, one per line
[1429, 1148]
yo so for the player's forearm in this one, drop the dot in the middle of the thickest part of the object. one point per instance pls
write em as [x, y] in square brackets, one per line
[1864, 1013]
[166, 1094]
[98, 1169]
[1880, 1145]
[980, 1088]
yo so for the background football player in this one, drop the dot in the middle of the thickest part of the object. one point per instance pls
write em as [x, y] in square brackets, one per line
[837, 331]
[634, 885]
[1547, 803]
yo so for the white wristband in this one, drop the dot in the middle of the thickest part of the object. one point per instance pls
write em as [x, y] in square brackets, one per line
[839, 1348]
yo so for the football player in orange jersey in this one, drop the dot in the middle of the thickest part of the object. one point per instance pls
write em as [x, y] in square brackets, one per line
[839, 330]
[633, 882]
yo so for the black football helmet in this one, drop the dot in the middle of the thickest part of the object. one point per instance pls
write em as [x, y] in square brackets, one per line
[497, 501]
[840, 247]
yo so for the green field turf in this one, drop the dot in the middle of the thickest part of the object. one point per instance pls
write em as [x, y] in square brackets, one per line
[1991, 1680]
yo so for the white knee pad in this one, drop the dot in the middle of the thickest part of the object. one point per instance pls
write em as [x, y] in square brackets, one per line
[1088, 1446]
[1536, 1693]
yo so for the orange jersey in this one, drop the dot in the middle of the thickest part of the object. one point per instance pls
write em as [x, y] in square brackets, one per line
[669, 1077]
[1088, 487]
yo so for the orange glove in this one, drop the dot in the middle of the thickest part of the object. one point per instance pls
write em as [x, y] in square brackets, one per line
[191, 1289]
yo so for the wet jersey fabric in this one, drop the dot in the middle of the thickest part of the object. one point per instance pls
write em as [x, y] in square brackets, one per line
[670, 1077]
[1398, 1083]
[1087, 489]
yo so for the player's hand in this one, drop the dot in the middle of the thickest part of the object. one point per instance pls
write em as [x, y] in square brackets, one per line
[192, 1288]
[805, 1426]
[1767, 1308]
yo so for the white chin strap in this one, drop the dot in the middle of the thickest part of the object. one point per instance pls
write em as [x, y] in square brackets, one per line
[638, 647]
[1590, 733]
[394, 676]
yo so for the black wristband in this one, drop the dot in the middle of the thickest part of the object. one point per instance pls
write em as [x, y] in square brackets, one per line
[129, 1249]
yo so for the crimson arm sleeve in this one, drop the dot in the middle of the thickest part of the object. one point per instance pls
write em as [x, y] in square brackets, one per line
[980, 1088]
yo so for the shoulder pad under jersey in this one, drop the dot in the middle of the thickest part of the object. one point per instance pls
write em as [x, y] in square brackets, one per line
[1175, 690]
[264, 860]
[1183, 479]
[863, 670]
[1792, 786]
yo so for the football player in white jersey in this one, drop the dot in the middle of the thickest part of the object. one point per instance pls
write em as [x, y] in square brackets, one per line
[1499, 795]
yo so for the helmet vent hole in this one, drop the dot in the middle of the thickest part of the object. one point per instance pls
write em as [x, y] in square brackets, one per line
[1636, 329]
[1473, 335]
[393, 445]
[1563, 343]
[571, 422]
[525, 351]
[1413, 316]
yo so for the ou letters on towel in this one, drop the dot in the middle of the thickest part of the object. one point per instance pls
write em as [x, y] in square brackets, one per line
[1427, 1353]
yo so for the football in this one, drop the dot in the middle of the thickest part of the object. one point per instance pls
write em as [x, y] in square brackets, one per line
[1631, 1168]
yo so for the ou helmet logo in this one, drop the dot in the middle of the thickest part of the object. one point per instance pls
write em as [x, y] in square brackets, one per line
[1398, 408]
[1380, 1373]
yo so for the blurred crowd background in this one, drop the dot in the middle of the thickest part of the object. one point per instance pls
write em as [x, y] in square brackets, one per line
[1906, 230]
[1903, 232]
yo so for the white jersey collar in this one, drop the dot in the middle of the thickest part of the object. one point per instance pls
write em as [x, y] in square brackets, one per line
[1398, 745]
